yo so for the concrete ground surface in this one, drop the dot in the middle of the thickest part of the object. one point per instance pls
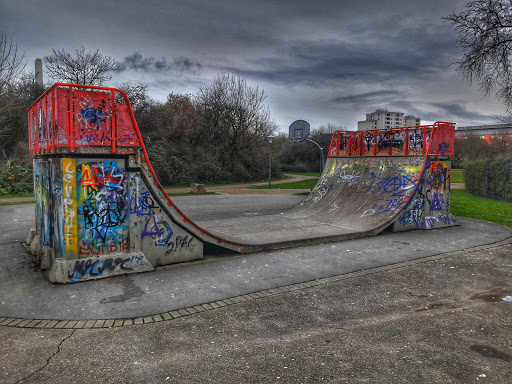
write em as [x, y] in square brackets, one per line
[361, 311]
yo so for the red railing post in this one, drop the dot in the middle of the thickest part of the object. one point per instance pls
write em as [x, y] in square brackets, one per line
[54, 97]
[113, 134]
[47, 122]
[436, 125]
[71, 125]
[29, 131]
[39, 122]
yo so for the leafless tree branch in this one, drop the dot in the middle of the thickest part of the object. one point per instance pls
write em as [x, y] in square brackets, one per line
[89, 68]
[485, 36]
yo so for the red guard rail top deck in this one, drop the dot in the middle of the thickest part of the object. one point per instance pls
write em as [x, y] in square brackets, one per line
[396, 141]
[101, 211]
[70, 117]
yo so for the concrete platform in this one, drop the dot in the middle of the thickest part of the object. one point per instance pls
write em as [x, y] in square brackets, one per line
[26, 294]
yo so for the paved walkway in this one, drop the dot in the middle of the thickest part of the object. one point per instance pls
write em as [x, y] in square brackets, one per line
[244, 189]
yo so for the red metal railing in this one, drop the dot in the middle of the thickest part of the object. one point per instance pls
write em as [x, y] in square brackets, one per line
[439, 137]
[71, 116]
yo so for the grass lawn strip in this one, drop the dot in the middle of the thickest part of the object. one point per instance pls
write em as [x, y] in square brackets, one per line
[465, 204]
[317, 174]
[304, 184]
[457, 176]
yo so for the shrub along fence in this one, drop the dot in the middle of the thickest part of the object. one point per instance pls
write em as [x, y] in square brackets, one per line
[490, 178]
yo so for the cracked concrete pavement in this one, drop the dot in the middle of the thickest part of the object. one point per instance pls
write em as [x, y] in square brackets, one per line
[434, 322]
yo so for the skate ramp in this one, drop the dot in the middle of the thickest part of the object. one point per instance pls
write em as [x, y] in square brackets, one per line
[352, 198]
[101, 211]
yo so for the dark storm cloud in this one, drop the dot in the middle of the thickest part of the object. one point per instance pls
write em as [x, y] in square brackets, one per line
[368, 97]
[335, 59]
[137, 62]
[372, 100]
[458, 111]
[434, 111]
[409, 54]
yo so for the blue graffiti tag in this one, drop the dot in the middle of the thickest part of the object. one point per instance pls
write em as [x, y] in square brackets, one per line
[93, 117]
[89, 268]
[444, 147]
[436, 202]
[393, 191]
[397, 186]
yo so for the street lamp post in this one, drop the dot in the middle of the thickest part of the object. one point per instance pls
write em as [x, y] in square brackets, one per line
[321, 153]
[270, 163]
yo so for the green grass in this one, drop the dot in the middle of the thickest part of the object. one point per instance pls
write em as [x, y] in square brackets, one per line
[304, 184]
[464, 204]
[189, 194]
[457, 176]
[317, 174]
[10, 196]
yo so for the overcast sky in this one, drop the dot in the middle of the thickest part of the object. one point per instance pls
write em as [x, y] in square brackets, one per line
[321, 61]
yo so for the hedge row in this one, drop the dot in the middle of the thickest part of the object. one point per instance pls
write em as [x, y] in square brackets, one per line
[490, 178]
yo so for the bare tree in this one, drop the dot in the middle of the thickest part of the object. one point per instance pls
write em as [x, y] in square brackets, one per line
[11, 64]
[328, 129]
[137, 94]
[234, 112]
[11, 67]
[485, 36]
[235, 125]
[89, 68]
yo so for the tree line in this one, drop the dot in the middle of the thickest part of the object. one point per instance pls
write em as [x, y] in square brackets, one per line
[218, 134]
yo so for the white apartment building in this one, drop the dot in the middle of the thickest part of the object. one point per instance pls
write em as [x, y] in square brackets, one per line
[411, 121]
[384, 119]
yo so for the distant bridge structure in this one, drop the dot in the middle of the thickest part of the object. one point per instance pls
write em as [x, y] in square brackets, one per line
[486, 132]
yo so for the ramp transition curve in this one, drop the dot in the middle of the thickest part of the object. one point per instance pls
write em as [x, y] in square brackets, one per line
[100, 210]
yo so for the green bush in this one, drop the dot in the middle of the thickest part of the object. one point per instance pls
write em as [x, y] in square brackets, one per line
[204, 171]
[297, 166]
[240, 173]
[15, 179]
[490, 178]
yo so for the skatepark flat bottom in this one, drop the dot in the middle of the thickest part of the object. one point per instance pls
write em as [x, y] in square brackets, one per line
[275, 229]
[254, 224]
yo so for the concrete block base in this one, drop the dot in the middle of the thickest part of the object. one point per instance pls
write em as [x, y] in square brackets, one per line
[31, 236]
[35, 246]
[46, 259]
[69, 271]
